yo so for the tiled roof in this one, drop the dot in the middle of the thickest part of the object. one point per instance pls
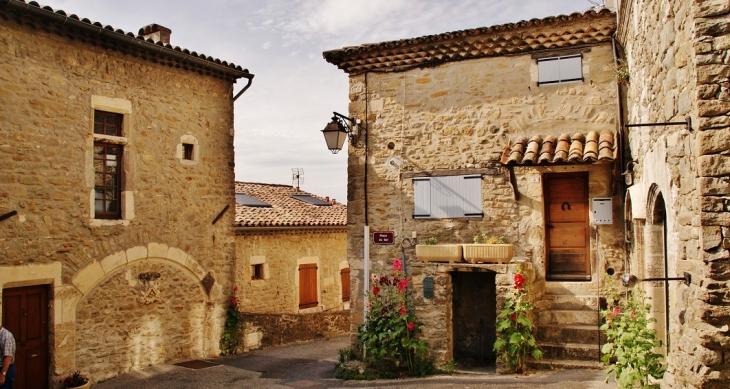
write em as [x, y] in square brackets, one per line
[578, 148]
[575, 29]
[59, 22]
[285, 210]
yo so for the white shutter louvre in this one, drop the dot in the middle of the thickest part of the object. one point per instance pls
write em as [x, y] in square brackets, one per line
[421, 197]
[571, 68]
[472, 196]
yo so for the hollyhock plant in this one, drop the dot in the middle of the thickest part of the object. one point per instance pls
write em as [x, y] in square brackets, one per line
[515, 340]
[630, 348]
[391, 326]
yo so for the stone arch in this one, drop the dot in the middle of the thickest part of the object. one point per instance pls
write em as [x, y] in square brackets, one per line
[656, 261]
[91, 282]
[96, 271]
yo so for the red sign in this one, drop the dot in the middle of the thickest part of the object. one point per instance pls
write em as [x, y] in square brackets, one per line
[383, 237]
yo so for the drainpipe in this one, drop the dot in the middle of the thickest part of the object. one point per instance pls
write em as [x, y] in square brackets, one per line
[366, 227]
[248, 85]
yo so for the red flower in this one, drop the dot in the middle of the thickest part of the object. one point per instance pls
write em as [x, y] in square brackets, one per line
[402, 312]
[233, 300]
[402, 285]
[411, 326]
[616, 310]
[397, 265]
[376, 290]
[235, 288]
[513, 317]
[519, 281]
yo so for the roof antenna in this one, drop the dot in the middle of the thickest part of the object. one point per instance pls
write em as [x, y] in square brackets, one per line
[297, 177]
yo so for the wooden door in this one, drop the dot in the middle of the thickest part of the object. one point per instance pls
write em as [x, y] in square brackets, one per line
[566, 230]
[345, 281]
[25, 315]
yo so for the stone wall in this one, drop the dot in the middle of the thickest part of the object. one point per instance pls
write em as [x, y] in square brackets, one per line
[280, 252]
[681, 175]
[49, 85]
[268, 330]
[457, 118]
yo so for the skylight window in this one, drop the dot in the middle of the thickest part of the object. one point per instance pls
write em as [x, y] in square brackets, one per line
[311, 200]
[251, 201]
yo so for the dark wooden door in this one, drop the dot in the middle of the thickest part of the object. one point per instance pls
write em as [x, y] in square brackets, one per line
[566, 230]
[345, 281]
[25, 314]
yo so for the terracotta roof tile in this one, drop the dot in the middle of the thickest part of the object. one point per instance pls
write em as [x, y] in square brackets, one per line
[578, 148]
[285, 210]
[576, 29]
[58, 21]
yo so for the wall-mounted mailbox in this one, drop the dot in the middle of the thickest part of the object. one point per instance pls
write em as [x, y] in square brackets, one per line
[602, 211]
[428, 287]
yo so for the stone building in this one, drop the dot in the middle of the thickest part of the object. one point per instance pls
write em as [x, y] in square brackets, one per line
[116, 179]
[291, 264]
[678, 176]
[511, 131]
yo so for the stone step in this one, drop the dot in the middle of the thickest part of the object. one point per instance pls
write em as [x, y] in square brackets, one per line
[547, 363]
[585, 334]
[567, 302]
[570, 351]
[571, 288]
[566, 317]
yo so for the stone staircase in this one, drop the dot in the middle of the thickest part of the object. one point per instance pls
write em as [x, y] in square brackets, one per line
[567, 327]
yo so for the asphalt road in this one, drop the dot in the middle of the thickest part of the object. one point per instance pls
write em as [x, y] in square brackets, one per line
[312, 365]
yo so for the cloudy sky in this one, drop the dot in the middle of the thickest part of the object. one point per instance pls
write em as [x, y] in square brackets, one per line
[294, 92]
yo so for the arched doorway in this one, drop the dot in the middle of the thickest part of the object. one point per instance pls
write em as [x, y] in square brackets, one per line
[656, 263]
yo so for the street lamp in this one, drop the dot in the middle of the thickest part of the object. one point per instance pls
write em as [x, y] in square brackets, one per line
[338, 129]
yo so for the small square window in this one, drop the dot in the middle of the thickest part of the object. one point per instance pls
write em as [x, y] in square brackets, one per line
[556, 70]
[188, 151]
[257, 271]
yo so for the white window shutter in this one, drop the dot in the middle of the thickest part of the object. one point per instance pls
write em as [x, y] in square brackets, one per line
[421, 197]
[446, 198]
[548, 70]
[571, 68]
[472, 195]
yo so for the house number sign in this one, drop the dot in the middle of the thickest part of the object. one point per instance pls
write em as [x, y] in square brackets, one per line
[383, 237]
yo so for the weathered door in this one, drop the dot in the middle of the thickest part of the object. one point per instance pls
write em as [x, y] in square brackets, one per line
[475, 318]
[308, 285]
[566, 230]
[25, 314]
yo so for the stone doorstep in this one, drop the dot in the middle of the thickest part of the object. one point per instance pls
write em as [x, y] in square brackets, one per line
[570, 351]
[567, 302]
[585, 334]
[571, 288]
[547, 363]
[566, 317]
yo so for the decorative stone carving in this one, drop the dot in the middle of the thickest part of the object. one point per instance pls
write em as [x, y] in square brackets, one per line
[149, 288]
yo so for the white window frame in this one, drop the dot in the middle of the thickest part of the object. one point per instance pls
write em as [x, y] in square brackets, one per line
[559, 70]
[447, 197]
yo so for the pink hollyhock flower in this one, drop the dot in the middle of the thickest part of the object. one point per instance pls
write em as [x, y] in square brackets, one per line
[375, 277]
[411, 326]
[402, 312]
[616, 310]
[376, 290]
[519, 281]
[402, 285]
[397, 265]
[233, 300]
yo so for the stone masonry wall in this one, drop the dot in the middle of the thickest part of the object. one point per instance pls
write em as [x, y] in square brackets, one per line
[684, 72]
[47, 84]
[280, 252]
[457, 118]
[268, 330]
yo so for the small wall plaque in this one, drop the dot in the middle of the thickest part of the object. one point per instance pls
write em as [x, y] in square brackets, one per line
[383, 237]
[428, 287]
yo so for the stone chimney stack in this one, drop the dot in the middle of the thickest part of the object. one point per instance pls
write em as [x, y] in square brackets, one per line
[156, 32]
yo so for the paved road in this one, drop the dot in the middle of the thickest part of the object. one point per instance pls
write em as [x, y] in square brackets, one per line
[312, 365]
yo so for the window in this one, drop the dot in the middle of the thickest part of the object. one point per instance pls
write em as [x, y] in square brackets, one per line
[308, 285]
[554, 70]
[257, 271]
[188, 151]
[448, 196]
[345, 281]
[107, 167]
[311, 200]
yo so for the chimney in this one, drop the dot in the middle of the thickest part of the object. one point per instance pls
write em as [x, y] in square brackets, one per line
[156, 32]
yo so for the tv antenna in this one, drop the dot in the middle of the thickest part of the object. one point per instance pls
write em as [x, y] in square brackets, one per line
[297, 177]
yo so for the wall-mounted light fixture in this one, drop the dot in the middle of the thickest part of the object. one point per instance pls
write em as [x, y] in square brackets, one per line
[629, 173]
[338, 129]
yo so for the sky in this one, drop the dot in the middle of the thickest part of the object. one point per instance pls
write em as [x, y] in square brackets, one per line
[278, 121]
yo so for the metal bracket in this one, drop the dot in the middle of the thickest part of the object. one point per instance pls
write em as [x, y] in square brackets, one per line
[629, 280]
